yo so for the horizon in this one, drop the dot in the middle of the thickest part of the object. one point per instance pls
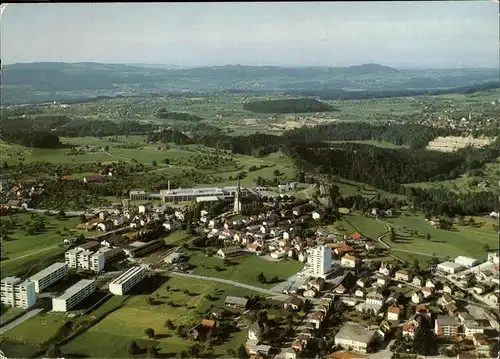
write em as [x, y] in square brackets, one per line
[402, 35]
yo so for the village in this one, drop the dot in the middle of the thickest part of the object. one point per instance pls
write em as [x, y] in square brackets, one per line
[349, 294]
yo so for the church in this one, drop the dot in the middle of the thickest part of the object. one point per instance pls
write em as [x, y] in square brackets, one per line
[245, 203]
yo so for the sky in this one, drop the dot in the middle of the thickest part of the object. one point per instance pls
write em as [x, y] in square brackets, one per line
[435, 34]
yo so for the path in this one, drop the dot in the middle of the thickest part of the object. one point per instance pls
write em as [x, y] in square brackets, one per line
[31, 254]
[19, 320]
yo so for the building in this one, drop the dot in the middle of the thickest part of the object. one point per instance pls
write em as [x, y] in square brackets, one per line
[73, 295]
[472, 327]
[138, 196]
[127, 280]
[320, 260]
[229, 252]
[467, 262]
[449, 267]
[85, 259]
[348, 261]
[403, 275]
[355, 336]
[236, 302]
[254, 332]
[191, 194]
[446, 326]
[494, 257]
[393, 313]
[49, 276]
[15, 292]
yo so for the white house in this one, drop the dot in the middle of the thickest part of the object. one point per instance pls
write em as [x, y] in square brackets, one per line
[278, 255]
[141, 209]
[417, 297]
[348, 261]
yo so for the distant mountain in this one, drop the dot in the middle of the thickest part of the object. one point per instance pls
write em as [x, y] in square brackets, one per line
[60, 81]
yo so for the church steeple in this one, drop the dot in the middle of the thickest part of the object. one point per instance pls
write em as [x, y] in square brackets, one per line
[237, 204]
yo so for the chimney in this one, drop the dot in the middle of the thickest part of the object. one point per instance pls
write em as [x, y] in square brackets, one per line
[168, 185]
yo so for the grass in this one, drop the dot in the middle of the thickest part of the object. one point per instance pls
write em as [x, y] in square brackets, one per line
[461, 240]
[176, 236]
[21, 247]
[366, 226]
[9, 312]
[246, 270]
[110, 337]
[36, 330]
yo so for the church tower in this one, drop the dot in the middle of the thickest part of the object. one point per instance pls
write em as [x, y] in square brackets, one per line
[237, 201]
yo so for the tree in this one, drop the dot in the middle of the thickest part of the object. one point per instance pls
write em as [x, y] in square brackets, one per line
[231, 353]
[486, 248]
[154, 163]
[106, 148]
[194, 350]
[392, 235]
[416, 265]
[182, 355]
[150, 333]
[53, 352]
[152, 352]
[261, 278]
[428, 237]
[277, 173]
[242, 352]
[61, 214]
[169, 325]
[133, 348]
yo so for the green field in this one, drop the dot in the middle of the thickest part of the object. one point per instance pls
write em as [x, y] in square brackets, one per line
[458, 241]
[111, 337]
[366, 226]
[246, 270]
[20, 247]
[36, 330]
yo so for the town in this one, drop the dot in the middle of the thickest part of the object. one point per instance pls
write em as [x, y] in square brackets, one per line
[347, 298]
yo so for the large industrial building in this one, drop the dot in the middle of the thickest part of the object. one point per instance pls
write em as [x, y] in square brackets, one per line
[15, 292]
[49, 275]
[127, 280]
[73, 295]
[79, 258]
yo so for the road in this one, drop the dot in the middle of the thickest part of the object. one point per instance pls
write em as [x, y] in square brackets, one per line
[20, 320]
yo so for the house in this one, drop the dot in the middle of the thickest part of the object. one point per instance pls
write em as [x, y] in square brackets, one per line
[417, 297]
[278, 255]
[316, 319]
[255, 332]
[403, 275]
[342, 249]
[293, 303]
[316, 215]
[447, 289]
[236, 302]
[310, 293]
[418, 281]
[363, 282]
[383, 280]
[446, 326]
[317, 283]
[348, 261]
[409, 329]
[481, 343]
[427, 292]
[360, 293]
[385, 269]
[290, 353]
[393, 313]
[350, 302]
[355, 336]
[472, 327]
[229, 252]
[383, 329]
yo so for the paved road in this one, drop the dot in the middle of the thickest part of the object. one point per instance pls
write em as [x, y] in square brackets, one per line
[19, 320]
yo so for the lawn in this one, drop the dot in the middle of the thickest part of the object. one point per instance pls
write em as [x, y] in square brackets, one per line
[461, 240]
[366, 226]
[246, 270]
[176, 236]
[110, 337]
[36, 330]
[21, 247]
[8, 312]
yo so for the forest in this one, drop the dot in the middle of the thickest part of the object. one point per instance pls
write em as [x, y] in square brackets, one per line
[179, 116]
[33, 139]
[413, 135]
[301, 105]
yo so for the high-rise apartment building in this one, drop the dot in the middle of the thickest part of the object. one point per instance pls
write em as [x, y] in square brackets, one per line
[320, 260]
[15, 292]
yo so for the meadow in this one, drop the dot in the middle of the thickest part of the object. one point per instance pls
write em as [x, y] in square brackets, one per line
[111, 336]
[244, 269]
[21, 249]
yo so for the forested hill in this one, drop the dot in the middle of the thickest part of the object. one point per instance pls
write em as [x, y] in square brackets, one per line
[413, 135]
[40, 82]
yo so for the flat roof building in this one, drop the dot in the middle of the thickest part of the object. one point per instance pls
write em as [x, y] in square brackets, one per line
[49, 276]
[73, 295]
[355, 336]
[449, 267]
[15, 292]
[127, 280]
[467, 261]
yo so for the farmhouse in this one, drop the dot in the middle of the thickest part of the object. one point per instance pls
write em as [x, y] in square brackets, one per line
[236, 302]
[229, 252]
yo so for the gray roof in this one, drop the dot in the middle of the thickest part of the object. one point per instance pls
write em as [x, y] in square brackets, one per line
[447, 320]
[355, 331]
[236, 301]
[49, 270]
[75, 288]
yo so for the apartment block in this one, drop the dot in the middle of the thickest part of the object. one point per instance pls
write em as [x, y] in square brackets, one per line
[447, 326]
[320, 260]
[85, 259]
[73, 295]
[49, 275]
[15, 292]
[127, 280]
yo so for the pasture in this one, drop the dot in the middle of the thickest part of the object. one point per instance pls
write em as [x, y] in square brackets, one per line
[23, 243]
[244, 269]
[111, 336]
[411, 232]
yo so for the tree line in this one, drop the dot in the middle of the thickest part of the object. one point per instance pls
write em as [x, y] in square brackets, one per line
[299, 105]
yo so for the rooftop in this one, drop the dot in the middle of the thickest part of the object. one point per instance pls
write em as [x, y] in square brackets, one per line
[49, 270]
[128, 274]
[450, 265]
[447, 320]
[355, 331]
[11, 280]
[75, 288]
